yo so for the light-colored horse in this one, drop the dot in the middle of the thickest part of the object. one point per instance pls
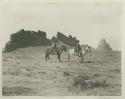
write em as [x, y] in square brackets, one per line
[81, 53]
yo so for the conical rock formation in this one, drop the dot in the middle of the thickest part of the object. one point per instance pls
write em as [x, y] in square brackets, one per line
[103, 45]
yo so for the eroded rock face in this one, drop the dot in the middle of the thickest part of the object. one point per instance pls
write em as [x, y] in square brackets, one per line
[103, 45]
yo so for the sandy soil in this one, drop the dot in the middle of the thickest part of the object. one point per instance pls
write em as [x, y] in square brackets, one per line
[25, 72]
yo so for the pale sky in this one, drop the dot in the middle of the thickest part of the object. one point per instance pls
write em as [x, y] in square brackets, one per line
[89, 22]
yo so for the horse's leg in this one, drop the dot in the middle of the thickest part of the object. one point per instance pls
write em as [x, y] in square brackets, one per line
[59, 58]
[58, 55]
[81, 58]
[46, 56]
[68, 57]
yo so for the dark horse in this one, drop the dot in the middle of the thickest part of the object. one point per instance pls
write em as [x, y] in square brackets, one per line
[57, 52]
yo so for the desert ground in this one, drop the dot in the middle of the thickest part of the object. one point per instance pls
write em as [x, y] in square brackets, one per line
[26, 73]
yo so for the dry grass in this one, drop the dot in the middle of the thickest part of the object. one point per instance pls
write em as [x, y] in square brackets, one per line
[86, 82]
[10, 91]
[25, 72]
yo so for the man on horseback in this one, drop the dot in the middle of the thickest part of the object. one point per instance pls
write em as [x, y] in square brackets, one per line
[54, 47]
[77, 47]
[55, 50]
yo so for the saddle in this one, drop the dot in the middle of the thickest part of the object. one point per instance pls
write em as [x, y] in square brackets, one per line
[77, 52]
[53, 51]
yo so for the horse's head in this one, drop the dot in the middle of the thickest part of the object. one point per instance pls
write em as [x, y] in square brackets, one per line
[89, 50]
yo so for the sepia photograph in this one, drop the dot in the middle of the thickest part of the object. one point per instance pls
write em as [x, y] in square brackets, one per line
[61, 48]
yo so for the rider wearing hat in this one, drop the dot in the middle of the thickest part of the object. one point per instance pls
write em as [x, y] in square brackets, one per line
[54, 47]
[78, 47]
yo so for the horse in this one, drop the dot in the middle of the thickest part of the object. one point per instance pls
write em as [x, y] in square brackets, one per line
[81, 53]
[57, 52]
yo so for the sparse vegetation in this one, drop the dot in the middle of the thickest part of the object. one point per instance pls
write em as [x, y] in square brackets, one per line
[66, 73]
[27, 68]
[85, 82]
[10, 91]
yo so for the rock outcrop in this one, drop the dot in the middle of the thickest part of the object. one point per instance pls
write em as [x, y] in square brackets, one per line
[26, 38]
[103, 45]
[71, 41]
